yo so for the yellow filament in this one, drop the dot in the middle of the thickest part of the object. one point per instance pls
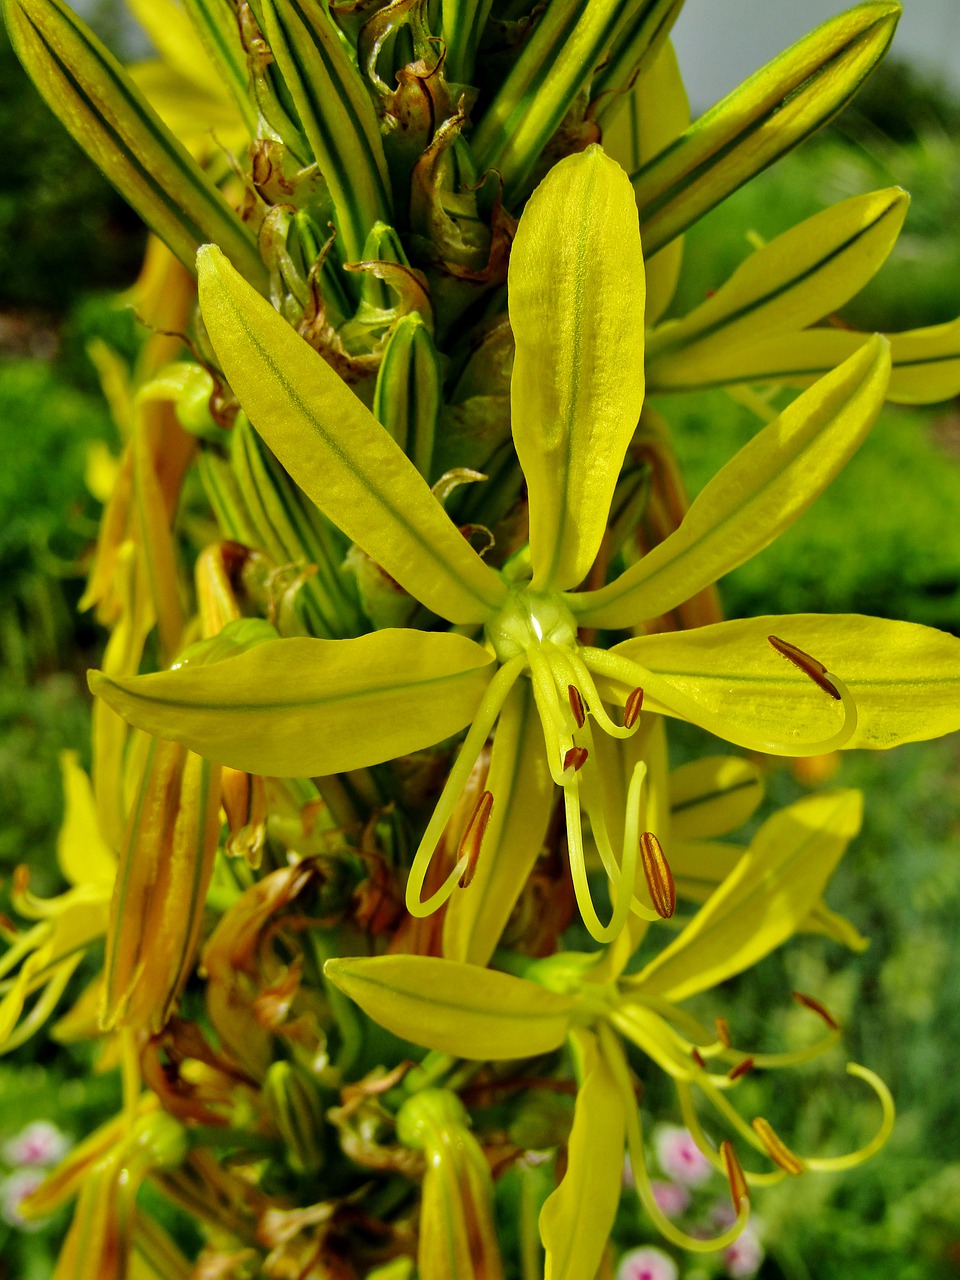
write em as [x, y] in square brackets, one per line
[626, 672]
[613, 1054]
[595, 702]
[833, 1164]
[486, 717]
[691, 1119]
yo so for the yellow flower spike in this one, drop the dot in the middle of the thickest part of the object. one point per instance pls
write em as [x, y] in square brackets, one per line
[457, 1231]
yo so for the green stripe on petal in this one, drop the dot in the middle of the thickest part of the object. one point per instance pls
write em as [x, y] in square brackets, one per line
[796, 279]
[455, 1008]
[576, 293]
[523, 794]
[301, 708]
[100, 105]
[577, 1218]
[712, 796]
[338, 453]
[763, 901]
[925, 370]
[765, 487]
[767, 116]
[904, 678]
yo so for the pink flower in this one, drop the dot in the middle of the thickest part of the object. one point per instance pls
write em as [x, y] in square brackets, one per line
[40, 1143]
[671, 1198]
[680, 1157]
[13, 1190]
[647, 1264]
[742, 1259]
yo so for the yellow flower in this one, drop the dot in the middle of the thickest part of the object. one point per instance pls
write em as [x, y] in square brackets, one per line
[313, 707]
[587, 1001]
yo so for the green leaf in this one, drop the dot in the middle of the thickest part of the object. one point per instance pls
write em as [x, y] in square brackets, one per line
[795, 280]
[575, 290]
[455, 1008]
[100, 105]
[523, 795]
[771, 481]
[338, 453]
[905, 679]
[763, 119]
[337, 116]
[762, 902]
[577, 1218]
[713, 796]
[300, 708]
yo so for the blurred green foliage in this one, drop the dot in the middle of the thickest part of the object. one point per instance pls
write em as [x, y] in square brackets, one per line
[63, 229]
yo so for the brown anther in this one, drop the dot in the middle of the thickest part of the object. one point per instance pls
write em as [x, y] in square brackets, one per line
[575, 759]
[777, 1149]
[576, 705]
[663, 891]
[698, 1058]
[735, 1176]
[723, 1032]
[809, 666]
[819, 1009]
[473, 836]
[743, 1067]
[631, 712]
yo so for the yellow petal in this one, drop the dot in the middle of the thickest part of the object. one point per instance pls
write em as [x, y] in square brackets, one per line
[301, 707]
[767, 485]
[904, 678]
[792, 282]
[712, 796]
[523, 794]
[82, 853]
[576, 1220]
[576, 294]
[338, 453]
[455, 1008]
[762, 902]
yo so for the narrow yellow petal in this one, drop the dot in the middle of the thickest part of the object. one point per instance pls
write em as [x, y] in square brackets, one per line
[83, 855]
[302, 707]
[762, 902]
[765, 487]
[904, 678]
[713, 796]
[338, 453]
[455, 1008]
[576, 294]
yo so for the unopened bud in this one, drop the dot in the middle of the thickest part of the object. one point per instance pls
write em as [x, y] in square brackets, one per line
[295, 1108]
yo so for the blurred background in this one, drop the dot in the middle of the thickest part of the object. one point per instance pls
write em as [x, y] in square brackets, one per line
[885, 539]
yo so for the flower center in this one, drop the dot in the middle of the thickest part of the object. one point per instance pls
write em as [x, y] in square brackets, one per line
[529, 618]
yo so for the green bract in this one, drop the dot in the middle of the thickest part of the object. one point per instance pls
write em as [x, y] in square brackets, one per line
[317, 707]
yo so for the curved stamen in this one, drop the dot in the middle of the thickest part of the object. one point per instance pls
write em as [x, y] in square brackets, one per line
[623, 873]
[595, 702]
[578, 871]
[486, 717]
[625, 671]
[691, 1119]
[832, 1164]
[613, 1054]
[777, 1149]
[551, 715]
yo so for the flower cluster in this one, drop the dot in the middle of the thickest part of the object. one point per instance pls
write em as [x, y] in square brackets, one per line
[368, 780]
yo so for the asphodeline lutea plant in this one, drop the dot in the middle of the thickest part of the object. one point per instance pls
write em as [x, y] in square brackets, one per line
[299, 707]
[605, 1017]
